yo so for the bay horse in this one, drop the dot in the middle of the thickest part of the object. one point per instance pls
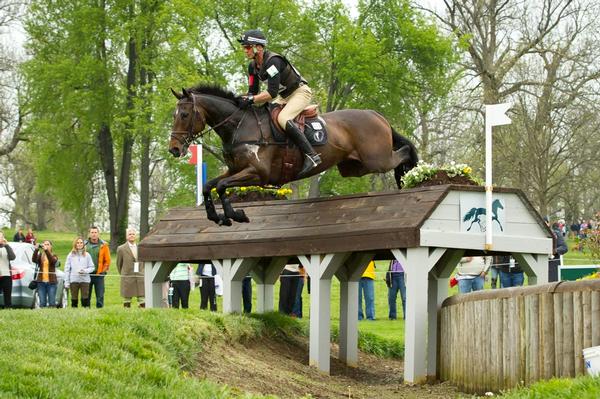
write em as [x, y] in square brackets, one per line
[358, 142]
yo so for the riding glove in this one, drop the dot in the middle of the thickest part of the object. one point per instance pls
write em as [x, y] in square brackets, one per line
[245, 102]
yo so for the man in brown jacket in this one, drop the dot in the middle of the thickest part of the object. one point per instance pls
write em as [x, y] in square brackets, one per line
[131, 271]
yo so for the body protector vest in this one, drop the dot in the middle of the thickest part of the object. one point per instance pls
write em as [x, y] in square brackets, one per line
[289, 80]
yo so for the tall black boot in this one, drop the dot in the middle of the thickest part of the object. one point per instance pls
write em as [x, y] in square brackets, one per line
[312, 159]
[73, 303]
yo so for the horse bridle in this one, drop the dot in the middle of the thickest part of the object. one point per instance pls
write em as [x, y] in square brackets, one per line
[190, 135]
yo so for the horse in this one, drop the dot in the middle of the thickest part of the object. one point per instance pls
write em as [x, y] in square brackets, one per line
[358, 142]
[475, 213]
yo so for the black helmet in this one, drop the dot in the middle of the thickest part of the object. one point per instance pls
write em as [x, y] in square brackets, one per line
[253, 36]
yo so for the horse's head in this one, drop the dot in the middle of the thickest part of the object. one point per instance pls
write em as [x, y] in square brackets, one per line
[188, 122]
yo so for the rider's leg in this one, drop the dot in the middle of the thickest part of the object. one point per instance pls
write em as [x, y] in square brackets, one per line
[295, 104]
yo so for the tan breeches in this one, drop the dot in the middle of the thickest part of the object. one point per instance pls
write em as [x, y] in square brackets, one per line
[294, 104]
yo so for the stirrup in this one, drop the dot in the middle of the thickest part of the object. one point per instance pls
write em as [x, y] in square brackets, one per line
[311, 162]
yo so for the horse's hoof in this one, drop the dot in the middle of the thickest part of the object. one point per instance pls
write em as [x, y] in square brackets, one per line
[224, 221]
[240, 217]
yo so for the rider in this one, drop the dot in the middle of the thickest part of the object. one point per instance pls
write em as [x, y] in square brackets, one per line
[284, 84]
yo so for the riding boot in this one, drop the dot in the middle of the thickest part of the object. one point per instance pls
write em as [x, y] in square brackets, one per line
[312, 159]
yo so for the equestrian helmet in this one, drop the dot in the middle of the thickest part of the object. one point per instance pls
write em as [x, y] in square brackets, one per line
[252, 37]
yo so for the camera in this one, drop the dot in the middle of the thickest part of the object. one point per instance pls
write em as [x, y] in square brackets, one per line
[41, 246]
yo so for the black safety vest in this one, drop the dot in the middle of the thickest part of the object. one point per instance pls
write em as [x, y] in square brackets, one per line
[290, 77]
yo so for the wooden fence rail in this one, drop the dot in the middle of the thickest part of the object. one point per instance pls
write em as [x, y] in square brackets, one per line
[497, 339]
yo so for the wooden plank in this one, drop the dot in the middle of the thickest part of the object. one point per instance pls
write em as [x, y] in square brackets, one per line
[587, 318]
[547, 335]
[595, 318]
[578, 333]
[558, 333]
[568, 336]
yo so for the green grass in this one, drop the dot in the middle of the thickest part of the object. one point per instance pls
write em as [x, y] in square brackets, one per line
[564, 388]
[113, 353]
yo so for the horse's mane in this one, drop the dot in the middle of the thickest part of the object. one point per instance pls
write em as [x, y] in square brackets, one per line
[213, 90]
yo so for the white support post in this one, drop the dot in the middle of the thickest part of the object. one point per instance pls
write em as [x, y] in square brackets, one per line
[349, 275]
[321, 269]
[265, 276]
[155, 275]
[417, 263]
[234, 271]
[535, 266]
[438, 292]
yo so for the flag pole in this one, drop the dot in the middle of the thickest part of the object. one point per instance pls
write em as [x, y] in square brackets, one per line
[495, 115]
[199, 183]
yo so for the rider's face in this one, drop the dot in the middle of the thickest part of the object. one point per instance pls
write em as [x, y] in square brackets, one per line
[248, 51]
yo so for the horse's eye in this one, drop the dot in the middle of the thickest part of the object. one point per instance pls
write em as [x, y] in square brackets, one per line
[184, 114]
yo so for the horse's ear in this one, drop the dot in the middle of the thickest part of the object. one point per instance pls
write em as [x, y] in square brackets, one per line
[179, 96]
[185, 93]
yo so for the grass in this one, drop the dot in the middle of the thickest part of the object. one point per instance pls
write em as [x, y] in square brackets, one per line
[563, 388]
[112, 353]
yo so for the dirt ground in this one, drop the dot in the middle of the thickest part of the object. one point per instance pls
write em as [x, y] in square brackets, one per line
[278, 367]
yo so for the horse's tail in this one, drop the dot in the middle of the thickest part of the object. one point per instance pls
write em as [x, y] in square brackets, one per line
[399, 141]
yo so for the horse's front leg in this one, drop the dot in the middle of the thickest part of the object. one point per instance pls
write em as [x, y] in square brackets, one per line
[209, 205]
[247, 177]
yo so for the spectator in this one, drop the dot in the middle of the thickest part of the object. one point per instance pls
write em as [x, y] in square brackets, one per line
[471, 273]
[511, 274]
[131, 271]
[288, 288]
[297, 310]
[30, 237]
[247, 294]
[100, 253]
[47, 263]
[207, 272]
[559, 248]
[19, 236]
[366, 286]
[394, 279]
[6, 255]
[78, 267]
[575, 229]
[180, 283]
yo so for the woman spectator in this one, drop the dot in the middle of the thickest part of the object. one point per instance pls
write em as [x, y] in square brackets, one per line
[30, 237]
[471, 273]
[78, 267]
[180, 281]
[19, 236]
[6, 255]
[46, 263]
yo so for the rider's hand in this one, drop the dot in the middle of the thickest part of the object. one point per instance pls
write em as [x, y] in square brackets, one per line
[245, 101]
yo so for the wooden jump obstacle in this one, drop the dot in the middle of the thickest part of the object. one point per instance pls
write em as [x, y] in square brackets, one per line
[338, 236]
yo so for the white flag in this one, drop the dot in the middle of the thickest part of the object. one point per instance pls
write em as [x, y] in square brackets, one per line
[495, 114]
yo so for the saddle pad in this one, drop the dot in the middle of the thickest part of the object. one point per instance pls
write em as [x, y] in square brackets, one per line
[314, 130]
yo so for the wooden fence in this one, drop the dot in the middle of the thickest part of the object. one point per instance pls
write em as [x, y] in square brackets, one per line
[497, 339]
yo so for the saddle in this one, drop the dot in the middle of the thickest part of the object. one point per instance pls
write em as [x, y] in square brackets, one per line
[313, 127]
[309, 122]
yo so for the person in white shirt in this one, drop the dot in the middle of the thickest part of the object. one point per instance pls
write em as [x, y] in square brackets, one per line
[6, 255]
[78, 266]
[471, 273]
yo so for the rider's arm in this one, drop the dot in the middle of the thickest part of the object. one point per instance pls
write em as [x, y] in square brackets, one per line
[253, 82]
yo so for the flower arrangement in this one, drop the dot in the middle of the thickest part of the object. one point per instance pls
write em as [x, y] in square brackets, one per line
[255, 193]
[425, 171]
[592, 276]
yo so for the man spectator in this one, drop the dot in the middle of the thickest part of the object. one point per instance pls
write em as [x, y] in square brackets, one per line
[471, 273]
[511, 274]
[394, 279]
[247, 294]
[559, 248]
[100, 253]
[131, 271]
[366, 286]
[288, 288]
[181, 285]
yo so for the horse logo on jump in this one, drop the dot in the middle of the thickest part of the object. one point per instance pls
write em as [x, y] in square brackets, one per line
[474, 215]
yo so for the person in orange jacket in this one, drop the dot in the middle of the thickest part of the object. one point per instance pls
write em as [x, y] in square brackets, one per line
[100, 253]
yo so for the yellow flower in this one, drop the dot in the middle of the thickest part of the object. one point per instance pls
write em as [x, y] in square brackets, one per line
[243, 189]
[214, 190]
[467, 170]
